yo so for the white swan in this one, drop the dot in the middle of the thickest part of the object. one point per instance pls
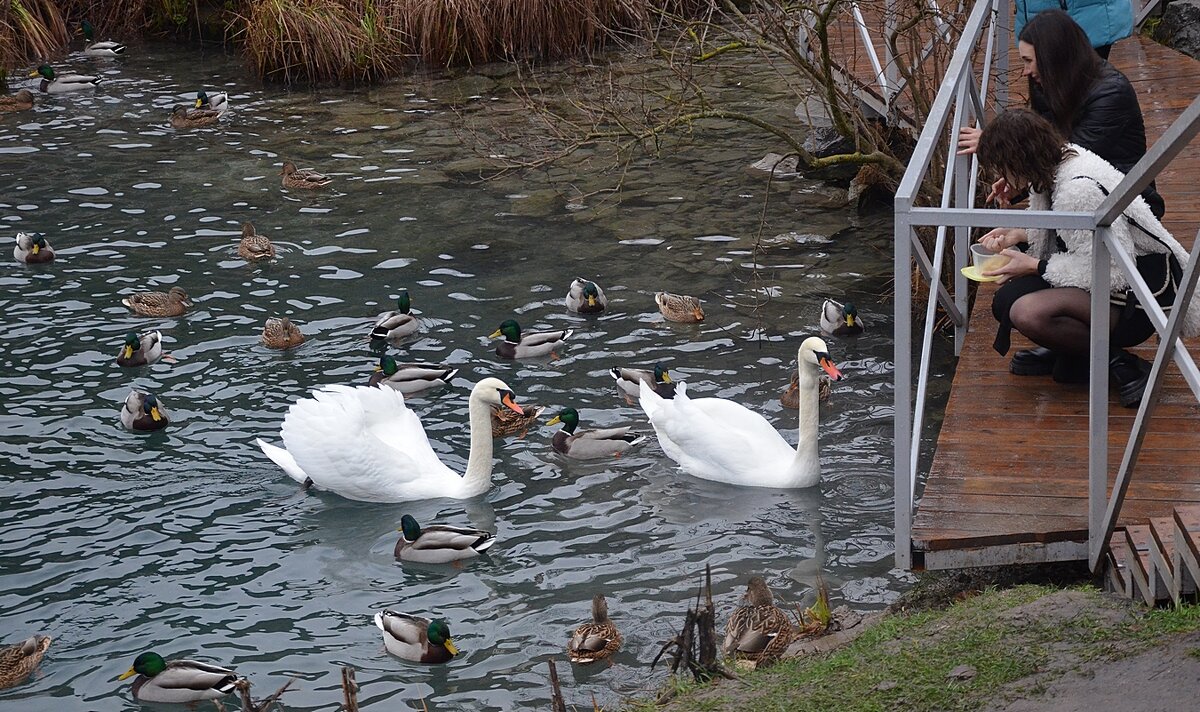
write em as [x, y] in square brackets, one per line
[717, 439]
[365, 444]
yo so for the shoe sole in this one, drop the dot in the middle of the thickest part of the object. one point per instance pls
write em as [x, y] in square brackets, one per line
[1031, 369]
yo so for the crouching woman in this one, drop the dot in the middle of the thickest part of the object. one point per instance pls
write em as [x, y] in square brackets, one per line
[1044, 286]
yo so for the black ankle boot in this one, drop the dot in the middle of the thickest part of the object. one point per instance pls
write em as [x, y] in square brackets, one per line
[1129, 374]
[1072, 369]
[1038, 361]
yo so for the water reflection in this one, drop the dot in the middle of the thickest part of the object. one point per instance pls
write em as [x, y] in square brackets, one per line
[189, 542]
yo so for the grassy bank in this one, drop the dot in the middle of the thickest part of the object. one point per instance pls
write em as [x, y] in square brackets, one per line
[1013, 643]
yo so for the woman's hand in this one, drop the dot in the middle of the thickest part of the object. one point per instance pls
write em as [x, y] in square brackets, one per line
[1002, 193]
[968, 140]
[1003, 238]
[1018, 265]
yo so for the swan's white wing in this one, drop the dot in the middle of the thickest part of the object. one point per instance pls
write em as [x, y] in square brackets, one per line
[364, 443]
[284, 459]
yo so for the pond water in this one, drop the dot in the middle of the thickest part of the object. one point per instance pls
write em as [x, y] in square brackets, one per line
[192, 544]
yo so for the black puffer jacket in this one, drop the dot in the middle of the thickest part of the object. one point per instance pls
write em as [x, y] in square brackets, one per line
[1108, 124]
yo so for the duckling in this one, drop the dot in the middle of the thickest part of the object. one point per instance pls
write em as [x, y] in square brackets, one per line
[142, 350]
[439, 543]
[506, 421]
[302, 178]
[254, 247]
[590, 444]
[217, 101]
[757, 631]
[54, 84]
[280, 333]
[18, 661]
[106, 48]
[409, 378]
[172, 303]
[32, 249]
[596, 640]
[419, 640]
[628, 380]
[679, 307]
[586, 297]
[840, 319]
[540, 343]
[791, 397]
[184, 118]
[142, 412]
[21, 101]
[180, 681]
[395, 325]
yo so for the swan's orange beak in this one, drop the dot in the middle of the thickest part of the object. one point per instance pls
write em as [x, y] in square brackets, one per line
[827, 363]
[509, 400]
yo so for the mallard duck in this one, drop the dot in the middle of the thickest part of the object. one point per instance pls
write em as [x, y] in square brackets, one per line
[21, 101]
[416, 639]
[590, 444]
[217, 101]
[791, 397]
[172, 303]
[596, 640]
[439, 543]
[506, 422]
[397, 324]
[840, 319]
[253, 246]
[365, 444]
[180, 681]
[586, 297]
[54, 84]
[32, 249]
[537, 343]
[410, 378]
[184, 118]
[302, 178]
[679, 307]
[18, 661]
[142, 412]
[629, 381]
[757, 631]
[142, 349]
[720, 440]
[106, 48]
[280, 333]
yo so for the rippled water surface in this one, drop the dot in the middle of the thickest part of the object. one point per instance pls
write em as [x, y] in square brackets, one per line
[191, 543]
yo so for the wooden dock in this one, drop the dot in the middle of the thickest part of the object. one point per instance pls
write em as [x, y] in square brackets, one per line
[1009, 479]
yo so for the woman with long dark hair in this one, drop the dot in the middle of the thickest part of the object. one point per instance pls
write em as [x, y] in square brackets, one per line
[1083, 96]
[1044, 288]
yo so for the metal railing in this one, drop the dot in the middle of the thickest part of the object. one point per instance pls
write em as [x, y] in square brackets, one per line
[961, 100]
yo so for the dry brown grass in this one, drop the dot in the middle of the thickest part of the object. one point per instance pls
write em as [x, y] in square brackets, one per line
[30, 29]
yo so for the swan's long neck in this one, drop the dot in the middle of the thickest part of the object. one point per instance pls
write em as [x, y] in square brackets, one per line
[478, 477]
[806, 467]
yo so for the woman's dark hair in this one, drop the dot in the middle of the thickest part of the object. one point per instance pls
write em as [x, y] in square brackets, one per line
[1066, 63]
[1019, 144]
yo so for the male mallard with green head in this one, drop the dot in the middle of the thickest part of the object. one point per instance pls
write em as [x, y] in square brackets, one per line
[596, 640]
[439, 543]
[143, 413]
[416, 639]
[104, 48]
[217, 101]
[185, 118]
[532, 344]
[840, 319]
[60, 84]
[394, 325]
[280, 333]
[171, 303]
[21, 101]
[757, 631]
[302, 178]
[590, 444]
[254, 247]
[586, 297]
[18, 661]
[409, 378]
[142, 350]
[629, 381]
[180, 681]
[679, 307]
[32, 249]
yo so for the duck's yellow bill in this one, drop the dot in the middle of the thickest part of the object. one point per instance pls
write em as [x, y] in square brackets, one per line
[127, 674]
[36, 247]
[155, 414]
[591, 301]
[199, 103]
[554, 421]
[127, 352]
[450, 646]
[494, 334]
[666, 377]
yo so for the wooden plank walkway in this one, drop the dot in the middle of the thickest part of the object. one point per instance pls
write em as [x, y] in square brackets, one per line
[1008, 481]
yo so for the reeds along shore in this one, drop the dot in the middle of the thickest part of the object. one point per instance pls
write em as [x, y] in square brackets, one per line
[339, 41]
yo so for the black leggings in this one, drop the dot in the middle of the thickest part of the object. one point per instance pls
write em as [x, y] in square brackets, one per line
[1059, 318]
